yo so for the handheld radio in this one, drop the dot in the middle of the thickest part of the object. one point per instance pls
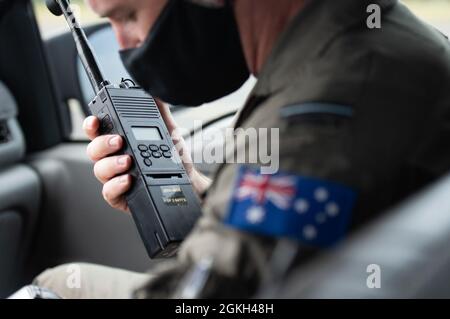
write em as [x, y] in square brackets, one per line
[161, 200]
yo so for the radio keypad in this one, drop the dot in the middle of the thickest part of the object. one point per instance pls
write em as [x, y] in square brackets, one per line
[148, 162]
[164, 148]
[145, 154]
[157, 154]
[142, 147]
[154, 151]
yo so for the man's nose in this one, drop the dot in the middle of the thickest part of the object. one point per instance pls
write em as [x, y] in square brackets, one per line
[127, 38]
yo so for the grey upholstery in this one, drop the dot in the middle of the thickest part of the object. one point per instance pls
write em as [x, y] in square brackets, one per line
[19, 206]
[13, 148]
[11, 226]
[410, 244]
[19, 197]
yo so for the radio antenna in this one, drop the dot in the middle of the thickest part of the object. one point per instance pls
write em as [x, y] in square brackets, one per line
[85, 52]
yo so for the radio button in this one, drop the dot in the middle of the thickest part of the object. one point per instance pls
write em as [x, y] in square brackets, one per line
[167, 154]
[153, 148]
[145, 154]
[106, 125]
[156, 154]
[142, 147]
[109, 128]
[164, 148]
[148, 162]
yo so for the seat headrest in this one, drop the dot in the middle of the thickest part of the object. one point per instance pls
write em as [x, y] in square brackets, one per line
[8, 108]
[12, 143]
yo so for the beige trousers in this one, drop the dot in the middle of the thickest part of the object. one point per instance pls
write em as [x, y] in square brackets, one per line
[88, 281]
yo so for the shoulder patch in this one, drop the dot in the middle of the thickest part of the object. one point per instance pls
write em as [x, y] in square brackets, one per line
[313, 211]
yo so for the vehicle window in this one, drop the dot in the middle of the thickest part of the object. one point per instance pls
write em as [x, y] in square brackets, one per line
[51, 25]
[435, 12]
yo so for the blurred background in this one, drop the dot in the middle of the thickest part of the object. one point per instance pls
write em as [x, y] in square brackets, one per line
[436, 12]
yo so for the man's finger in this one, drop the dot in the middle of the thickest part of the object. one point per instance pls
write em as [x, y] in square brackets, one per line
[90, 127]
[114, 190]
[103, 146]
[108, 167]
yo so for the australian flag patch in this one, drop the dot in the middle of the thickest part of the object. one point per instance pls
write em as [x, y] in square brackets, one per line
[312, 211]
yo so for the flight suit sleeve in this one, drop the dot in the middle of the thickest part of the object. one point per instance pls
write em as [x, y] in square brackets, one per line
[318, 148]
[382, 149]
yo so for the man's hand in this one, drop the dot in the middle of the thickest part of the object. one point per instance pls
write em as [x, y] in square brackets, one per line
[111, 171]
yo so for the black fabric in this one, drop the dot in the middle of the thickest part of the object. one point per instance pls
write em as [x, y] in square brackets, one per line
[4, 6]
[193, 55]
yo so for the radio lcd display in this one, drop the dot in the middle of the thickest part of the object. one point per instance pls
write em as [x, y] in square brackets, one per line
[146, 133]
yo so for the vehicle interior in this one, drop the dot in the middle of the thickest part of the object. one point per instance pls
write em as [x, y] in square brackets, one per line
[52, 211]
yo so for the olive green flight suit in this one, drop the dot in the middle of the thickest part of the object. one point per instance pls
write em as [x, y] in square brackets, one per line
[367, 108]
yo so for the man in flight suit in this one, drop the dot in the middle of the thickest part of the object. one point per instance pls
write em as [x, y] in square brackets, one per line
[363, 117]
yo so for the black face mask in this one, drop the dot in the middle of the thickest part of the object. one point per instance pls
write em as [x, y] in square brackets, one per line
[193, 55]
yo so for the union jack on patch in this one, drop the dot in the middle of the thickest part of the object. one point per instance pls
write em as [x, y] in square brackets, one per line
[279, 189]
[310, 210]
